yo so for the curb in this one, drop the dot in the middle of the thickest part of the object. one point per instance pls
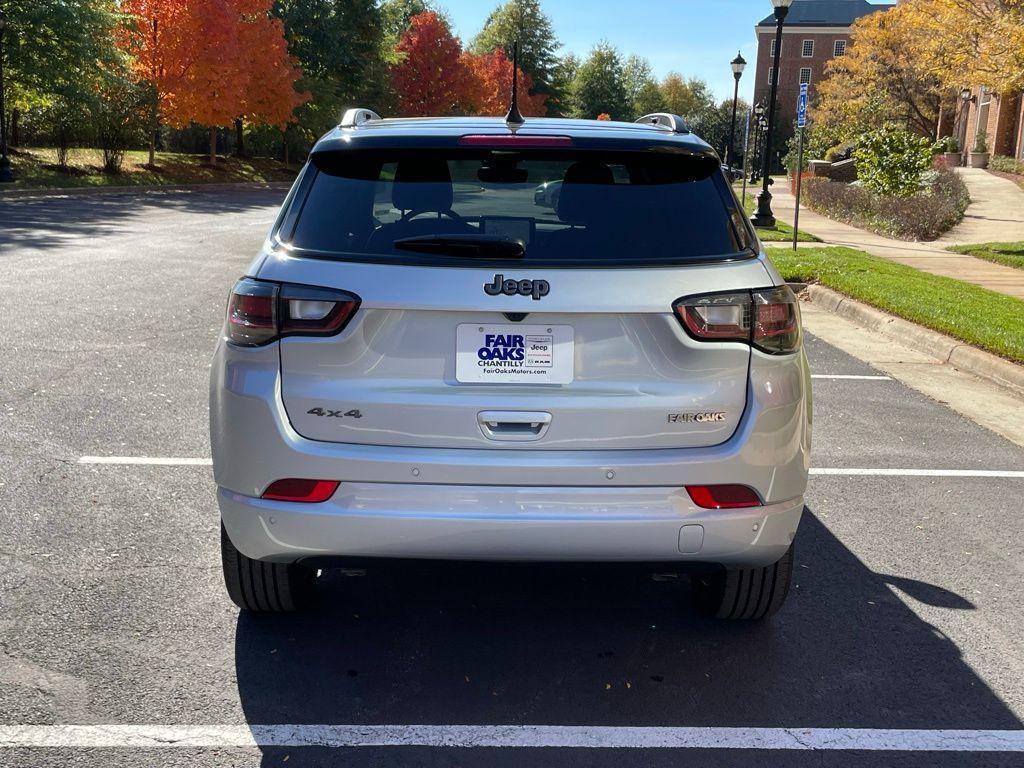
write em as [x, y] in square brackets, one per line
[953, 351]
[142, 189]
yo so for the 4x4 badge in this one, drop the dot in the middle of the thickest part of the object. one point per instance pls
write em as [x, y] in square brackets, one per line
[535, 288]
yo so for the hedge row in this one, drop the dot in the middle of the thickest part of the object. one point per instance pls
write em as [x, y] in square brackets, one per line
[925, 216]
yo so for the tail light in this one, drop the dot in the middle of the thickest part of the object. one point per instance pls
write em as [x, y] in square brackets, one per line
[723, 496]
[260, 311]
[306, 491]
[768, 319]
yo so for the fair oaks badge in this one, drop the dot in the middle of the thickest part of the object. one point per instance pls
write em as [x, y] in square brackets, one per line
[521, 354]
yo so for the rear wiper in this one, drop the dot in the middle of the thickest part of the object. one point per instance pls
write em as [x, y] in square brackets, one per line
[494, 246]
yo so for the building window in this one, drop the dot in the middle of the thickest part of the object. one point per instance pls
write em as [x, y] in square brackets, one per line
[808, 50]
[771, 75]
[840, 48]
[805, 75]
[772, 51]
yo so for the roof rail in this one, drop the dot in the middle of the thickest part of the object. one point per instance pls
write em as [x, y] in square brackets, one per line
[356, 117]
[666, 120]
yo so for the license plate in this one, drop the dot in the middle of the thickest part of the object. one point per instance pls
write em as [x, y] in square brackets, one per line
[530, 354]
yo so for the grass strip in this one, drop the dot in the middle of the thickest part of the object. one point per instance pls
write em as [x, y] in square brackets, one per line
[976, 315]
[1007, 254]
[38, 169]
[781, 232]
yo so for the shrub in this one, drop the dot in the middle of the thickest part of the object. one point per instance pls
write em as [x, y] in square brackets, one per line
[1005, 164]
[890, 161]
[924, 216]
[980, 144]
[840, 152]
[946, 144]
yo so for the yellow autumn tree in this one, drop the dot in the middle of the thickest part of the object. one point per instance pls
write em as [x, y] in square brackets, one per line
[972, 42]
[882, 79]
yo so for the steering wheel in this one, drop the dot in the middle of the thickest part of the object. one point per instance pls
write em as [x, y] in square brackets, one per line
[420, 211]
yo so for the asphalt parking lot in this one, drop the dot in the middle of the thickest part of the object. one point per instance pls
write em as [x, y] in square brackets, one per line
[907, 612]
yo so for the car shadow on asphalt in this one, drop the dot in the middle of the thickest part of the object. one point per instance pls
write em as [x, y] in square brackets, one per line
[597, 645]
[50, 222]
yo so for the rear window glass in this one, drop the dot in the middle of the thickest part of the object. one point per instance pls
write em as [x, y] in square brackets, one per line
[578, 208]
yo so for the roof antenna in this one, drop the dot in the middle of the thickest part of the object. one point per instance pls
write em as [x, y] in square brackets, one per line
[514, 116]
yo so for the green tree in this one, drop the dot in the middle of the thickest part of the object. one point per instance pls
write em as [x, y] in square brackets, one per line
[55, 50]
[338, 46]
[564, 76]
[524, 22]
[599, 86]
[641, 88]
[690, 99]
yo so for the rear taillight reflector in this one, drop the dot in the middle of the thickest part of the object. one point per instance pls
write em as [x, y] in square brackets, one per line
[260, 311]
[306, 491]
[723, 496]
[768, 319]
[522, 142]
[252, 313]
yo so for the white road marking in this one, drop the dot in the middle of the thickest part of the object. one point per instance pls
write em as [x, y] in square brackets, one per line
[850, 377]
[509, 736]
[197, 462]
[916, 472]
[146, 461]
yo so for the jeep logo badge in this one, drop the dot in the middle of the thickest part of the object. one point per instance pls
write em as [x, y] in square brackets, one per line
[535, 288]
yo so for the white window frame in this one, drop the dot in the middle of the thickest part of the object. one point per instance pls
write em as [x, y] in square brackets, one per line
[771, 75]
[771, 48]
[836, 46]
[803, 49]
[809, 72]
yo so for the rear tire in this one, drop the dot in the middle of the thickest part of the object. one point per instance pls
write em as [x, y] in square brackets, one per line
[750, 594]
[254, 585]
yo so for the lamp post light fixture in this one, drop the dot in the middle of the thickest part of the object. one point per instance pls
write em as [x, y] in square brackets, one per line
[6, 176]
[764, 216]
[738, 65]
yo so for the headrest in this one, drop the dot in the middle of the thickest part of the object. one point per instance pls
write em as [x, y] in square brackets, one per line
[578, 201]
[422, 184]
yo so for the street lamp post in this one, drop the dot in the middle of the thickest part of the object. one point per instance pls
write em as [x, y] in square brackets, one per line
[6, 175]
[738, 64]
[764, 216]
[756, 148]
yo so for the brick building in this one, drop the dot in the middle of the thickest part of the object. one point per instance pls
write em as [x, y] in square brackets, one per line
[816, 31]
[998, 116]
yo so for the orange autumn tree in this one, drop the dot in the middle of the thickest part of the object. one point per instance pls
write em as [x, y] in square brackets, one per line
[212, 61]
[431, 78]
[492, 86]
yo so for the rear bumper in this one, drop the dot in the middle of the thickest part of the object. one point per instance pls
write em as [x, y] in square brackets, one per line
[457, 503]
[448, 522]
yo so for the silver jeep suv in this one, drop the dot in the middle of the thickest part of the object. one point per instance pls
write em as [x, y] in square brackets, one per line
[469, 340]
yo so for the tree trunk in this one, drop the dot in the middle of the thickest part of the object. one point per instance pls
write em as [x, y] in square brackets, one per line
[285, 134]
[15, 139]
[239, 138]
[213, 146]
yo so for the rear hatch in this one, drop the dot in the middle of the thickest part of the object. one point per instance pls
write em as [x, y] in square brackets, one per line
[515, 300]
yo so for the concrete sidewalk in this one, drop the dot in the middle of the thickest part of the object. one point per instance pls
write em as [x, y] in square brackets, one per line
[996, 214]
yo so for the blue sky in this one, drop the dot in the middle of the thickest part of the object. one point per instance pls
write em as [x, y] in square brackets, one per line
[697, 39]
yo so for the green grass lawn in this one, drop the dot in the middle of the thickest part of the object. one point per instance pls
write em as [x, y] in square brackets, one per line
[1009, 254]
[781, 232]
[37, 168]
[978, 316]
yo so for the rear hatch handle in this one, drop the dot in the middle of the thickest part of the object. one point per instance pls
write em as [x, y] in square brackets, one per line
[514, 426]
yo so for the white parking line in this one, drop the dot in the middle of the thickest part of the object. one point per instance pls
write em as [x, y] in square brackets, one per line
[514, 736]
[146, 460]
[850, 377]
[868, 472]
[916, 472]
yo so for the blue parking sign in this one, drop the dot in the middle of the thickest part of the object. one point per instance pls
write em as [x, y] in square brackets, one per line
[801, 107]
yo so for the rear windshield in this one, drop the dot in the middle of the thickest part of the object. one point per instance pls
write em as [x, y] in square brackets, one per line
[565, 208]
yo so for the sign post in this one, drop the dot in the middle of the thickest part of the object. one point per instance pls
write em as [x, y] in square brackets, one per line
[801, 123]
[746, 154]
